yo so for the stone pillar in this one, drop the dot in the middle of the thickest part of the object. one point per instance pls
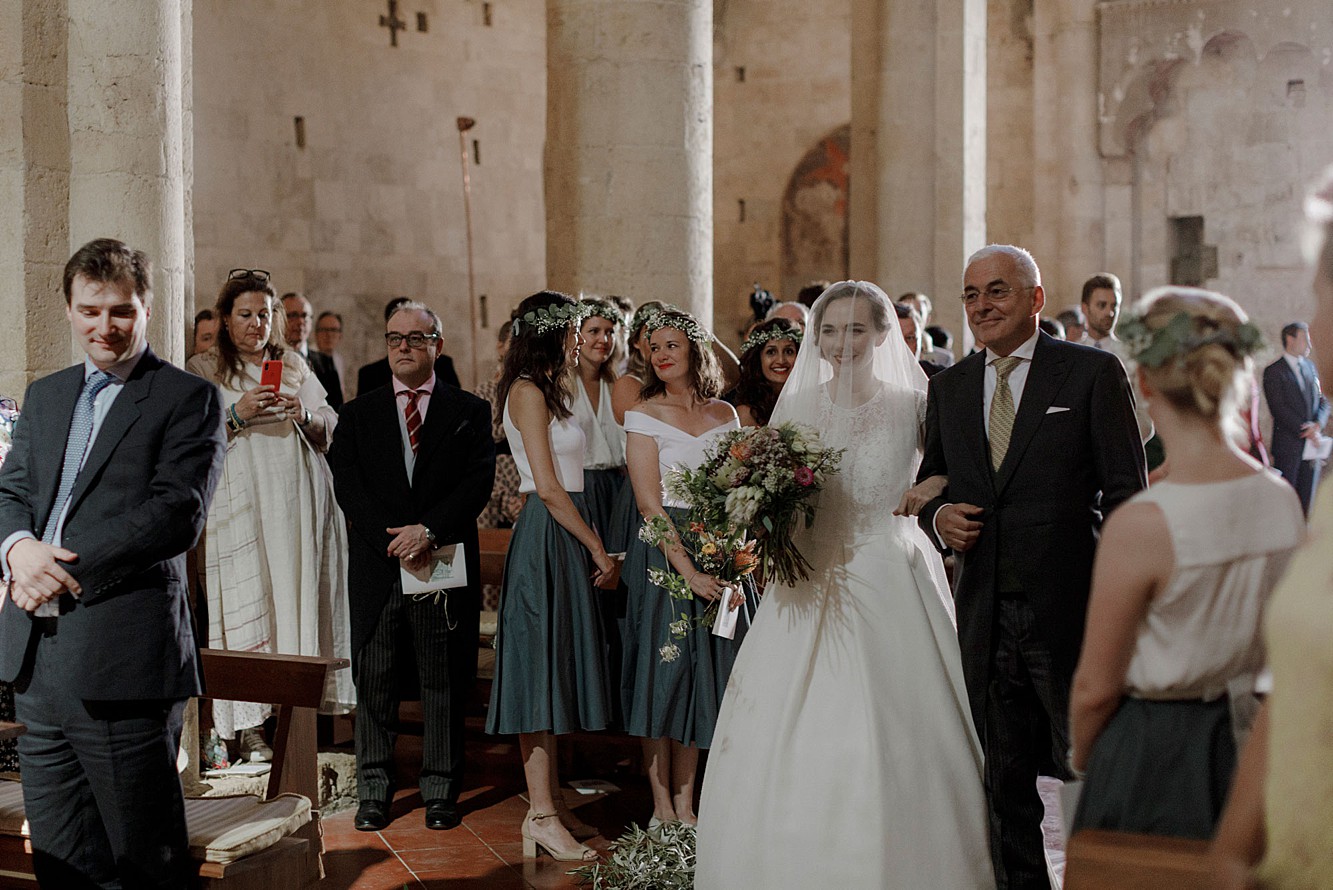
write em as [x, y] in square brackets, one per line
[34, 192]
[127, 142]
[1068, 210]
[629, 166]
[918, 180]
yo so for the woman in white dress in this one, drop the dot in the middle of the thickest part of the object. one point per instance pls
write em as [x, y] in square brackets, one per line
[275, 547]
[845, 755]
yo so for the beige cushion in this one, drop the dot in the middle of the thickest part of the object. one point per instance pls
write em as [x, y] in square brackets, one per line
[224, 829]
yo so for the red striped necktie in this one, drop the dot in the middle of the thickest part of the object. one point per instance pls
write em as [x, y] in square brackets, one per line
[413, 417]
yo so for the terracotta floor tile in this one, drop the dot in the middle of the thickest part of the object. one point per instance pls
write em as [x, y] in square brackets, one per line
[411, 834]
[463, 862]
[505, 879]
[365, 870]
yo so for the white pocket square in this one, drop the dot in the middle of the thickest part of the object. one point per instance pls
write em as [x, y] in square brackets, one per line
[1055, 410]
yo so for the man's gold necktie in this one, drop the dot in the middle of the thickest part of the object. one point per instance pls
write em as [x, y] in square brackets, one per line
[1001, 410]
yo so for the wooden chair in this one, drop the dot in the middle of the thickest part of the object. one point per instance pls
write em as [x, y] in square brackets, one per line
[1110, 860]
[285, 845]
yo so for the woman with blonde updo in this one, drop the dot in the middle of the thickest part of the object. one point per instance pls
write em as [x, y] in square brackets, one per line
[1280, 815]
[1165, 682]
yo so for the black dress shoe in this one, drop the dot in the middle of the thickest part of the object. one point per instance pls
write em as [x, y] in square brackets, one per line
[371, 815]
[442, 814]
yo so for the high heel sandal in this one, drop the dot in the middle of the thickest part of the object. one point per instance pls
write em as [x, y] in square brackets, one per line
[582, 853]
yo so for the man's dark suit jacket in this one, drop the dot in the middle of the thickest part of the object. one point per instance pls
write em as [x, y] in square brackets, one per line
[327, 375]
[455, 468]
[1292, 402]
[377, 374]
[1063, 472]
[137, 507]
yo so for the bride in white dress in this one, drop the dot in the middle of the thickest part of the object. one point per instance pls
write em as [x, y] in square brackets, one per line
[844, 755]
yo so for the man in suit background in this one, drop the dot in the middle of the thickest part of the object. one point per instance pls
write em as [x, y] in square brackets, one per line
[376, 374]
[413, 463]
[1038, 439]
[1299, 409]
[1101, 309]
[328, 336]
[112, 471]
[299, 314]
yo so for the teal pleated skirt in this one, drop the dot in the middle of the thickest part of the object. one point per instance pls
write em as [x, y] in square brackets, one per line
[551, 658]
[623, 523]
[678, 699]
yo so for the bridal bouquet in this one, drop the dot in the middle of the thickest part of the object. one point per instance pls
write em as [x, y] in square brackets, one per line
[744, 503]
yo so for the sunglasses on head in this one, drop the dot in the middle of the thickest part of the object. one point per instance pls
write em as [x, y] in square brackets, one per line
[258, 274]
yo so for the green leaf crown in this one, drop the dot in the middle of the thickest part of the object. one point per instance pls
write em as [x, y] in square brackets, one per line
[1184, 333]
[550, 317]
[602, 309]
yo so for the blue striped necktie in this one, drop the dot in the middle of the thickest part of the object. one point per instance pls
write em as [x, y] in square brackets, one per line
[80, 431]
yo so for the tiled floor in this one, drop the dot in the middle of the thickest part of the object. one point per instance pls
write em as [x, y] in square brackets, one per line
[486, 851]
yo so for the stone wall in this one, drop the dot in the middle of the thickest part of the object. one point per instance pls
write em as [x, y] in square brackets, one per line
[372, 206]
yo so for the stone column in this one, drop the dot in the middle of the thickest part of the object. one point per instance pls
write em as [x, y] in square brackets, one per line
[1068, 211]
[629, 167]
[918, 180]
[127, 142]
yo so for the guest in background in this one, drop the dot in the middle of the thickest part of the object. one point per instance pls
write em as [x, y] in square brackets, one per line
[413, 464]
[377, 373]
[551, 676]
[673, 704]
[205, 331]
[1075, 323]
[1053, 328]
[808, 294]
[1280, 815]
[909, 324]
[505, 502]
[299, 322]
[792, 311]
[767, 357]
[620, 355]
[1165, 681]
[328, 336]
[1299, 409]
[625, 392]
[275, 555]
[604, 438]
[1101, 308]
[943, 340]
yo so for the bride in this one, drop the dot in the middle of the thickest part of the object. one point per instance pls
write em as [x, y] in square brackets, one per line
[844, 755]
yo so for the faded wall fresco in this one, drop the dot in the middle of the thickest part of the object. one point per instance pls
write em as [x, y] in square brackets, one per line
[814, 215]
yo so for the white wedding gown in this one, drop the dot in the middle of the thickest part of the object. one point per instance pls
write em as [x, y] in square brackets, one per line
[844, 755]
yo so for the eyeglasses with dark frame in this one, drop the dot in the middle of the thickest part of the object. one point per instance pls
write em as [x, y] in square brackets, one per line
[994, 294]
[257, 274]
[416, 339]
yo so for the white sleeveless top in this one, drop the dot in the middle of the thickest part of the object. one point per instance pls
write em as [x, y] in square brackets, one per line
[1231, 542]
[605, 438]
[675, 447]
[566, 452]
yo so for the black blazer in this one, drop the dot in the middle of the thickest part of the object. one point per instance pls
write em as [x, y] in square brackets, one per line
[450, 486]
[1063, 472]
[377, 374]
[326, 372]
[137, 507]
[1292, 404]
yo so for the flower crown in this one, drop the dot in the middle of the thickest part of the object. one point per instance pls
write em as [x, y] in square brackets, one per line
[647, 311]
[777, 332]
[1184, 333]
[550, 317]
[682, 321]
[602, 309]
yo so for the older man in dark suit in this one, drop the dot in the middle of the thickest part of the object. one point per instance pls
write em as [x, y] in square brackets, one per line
[1299, 409]
[113, 467]
[1038, 440]
[413, 463]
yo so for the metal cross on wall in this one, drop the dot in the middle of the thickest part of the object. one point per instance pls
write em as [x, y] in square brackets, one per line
[393, 22]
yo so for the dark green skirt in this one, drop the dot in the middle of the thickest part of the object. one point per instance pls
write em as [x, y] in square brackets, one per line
[623, 524]
[550, 655]
[678, 699]
[1160, 767]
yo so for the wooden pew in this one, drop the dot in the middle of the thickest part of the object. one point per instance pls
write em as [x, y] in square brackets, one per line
[1110, 860]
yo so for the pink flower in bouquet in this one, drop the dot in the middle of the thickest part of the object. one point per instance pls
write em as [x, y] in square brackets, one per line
[805, 477]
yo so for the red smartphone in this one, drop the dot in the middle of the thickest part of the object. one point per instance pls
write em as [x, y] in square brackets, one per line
[271, 373]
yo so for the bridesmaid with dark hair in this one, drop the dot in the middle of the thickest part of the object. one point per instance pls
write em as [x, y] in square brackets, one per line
[550, 662]
[767, 357]
[672, 688]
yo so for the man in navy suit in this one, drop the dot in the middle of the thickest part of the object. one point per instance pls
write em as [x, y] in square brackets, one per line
[413, 463]
[1038, 440]
[113, 467]
[1299, 409]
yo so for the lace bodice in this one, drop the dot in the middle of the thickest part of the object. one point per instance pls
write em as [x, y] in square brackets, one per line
[882, 440]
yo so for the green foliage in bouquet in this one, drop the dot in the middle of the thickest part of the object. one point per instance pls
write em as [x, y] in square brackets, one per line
[639, 861]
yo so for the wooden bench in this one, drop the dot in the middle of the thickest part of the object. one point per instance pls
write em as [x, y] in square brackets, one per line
[295, 684]
[1109, 860]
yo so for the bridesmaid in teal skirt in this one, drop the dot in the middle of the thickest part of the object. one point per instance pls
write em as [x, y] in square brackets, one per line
[672, 697]
[551, 674]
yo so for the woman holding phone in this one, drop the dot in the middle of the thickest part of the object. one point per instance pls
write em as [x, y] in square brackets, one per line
[275, 549]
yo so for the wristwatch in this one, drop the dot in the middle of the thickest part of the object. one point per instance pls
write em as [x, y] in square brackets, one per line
[430, 537]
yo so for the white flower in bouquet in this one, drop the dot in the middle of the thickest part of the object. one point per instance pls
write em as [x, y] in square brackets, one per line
[669, 653]
[743, 504]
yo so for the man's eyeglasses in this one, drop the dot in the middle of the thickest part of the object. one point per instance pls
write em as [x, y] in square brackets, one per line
[994, 294]
[258, 274]
[328, 330]
[416, 339]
